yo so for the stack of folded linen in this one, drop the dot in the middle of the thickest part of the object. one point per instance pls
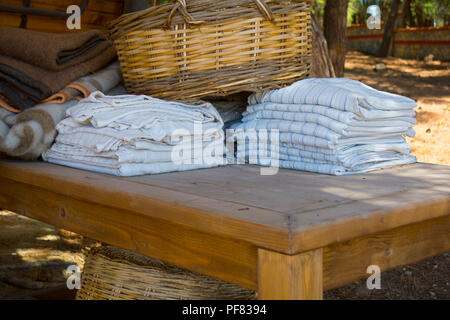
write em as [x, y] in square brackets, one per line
[129, 135]
[35, 65]
[331, 126]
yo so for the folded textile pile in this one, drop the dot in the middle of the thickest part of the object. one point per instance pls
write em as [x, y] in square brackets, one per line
[231, 112]
[34, 65]
[28, 134]
[131, 135]
[331, 126]
[230, 107]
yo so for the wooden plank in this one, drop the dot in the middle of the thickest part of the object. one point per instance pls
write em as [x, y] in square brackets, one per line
[348, 261]
[45, 24]
[102, 6]
[298, 192]
[207, 252]
[258, 226]
[290, 277]
[291, 213]
[96, 15]
[220, 257]
[323, 209]
[366, 217]
[105, 8]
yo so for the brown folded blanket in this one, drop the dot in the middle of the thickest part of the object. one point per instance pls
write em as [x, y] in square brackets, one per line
[25, 85]
[51, 51]
[4, 103]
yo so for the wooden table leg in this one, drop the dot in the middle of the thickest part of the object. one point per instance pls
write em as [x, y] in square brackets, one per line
[290, 277]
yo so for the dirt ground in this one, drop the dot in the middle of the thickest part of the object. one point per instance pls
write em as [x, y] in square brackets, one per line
[427, 83]
[34, 257]
[24, 243]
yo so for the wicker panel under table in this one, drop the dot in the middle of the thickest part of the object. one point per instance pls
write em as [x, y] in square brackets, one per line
[111, 273]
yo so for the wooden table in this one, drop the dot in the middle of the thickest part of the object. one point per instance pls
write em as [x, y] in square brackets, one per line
[289, 236]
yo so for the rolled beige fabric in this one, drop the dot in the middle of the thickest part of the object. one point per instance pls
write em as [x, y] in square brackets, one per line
[34, 130]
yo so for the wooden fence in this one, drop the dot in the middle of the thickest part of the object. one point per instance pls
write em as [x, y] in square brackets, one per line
[411, 43]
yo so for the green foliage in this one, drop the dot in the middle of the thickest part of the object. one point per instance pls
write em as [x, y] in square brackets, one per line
[435, 11]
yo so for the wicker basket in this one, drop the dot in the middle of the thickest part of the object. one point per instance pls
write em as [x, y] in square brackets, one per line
[112, 273]
[213, 48]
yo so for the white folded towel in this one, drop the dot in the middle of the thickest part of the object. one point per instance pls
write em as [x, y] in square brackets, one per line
[338, 93]
[350, 160]
[138, 112]
[345, 123]
[131, 135]
[333, 126]
[129, 169]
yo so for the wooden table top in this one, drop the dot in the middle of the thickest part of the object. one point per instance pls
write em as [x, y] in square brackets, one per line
[290, 212]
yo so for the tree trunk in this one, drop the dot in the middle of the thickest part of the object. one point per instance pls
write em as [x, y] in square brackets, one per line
[408, 19]
[419, 14]
[335, 31]
[321, 66]
[389, 29]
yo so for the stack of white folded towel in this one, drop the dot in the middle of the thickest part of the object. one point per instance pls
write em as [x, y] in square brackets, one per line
[129, 135]
[331, 126]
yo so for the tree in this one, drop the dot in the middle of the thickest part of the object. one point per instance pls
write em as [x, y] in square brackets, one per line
[408, 19]
[335, 31]
[419, 14]
[389, 29]
[321, 66]
[357, 10]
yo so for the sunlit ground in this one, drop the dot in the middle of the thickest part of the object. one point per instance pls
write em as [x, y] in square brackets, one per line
[428, 84]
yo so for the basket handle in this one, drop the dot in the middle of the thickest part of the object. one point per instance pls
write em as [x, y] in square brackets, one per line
[181, 6]
[265, 9]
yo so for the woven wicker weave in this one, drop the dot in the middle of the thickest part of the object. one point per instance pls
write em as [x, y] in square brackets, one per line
[229, 46]
[112, 273]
